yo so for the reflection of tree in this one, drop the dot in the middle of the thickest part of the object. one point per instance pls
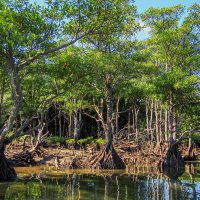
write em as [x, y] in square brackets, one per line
[107, 187]
[173, 172]
[111, 190]
[3, 190]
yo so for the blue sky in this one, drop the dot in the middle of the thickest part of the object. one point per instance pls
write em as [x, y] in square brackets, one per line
[143, 5]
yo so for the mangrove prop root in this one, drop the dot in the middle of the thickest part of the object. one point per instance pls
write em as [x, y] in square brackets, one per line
[190, 155]
[7, 172]
[75, 163]
[172, 158]
[26, 156]
[106, 160]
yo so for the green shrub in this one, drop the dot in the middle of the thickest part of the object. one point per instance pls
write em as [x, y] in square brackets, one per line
[196, 138]
[87, 140]
[70, 141]
[100, 141]
[56, 139]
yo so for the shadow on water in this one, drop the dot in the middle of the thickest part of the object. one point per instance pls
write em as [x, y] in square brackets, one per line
[107, 186]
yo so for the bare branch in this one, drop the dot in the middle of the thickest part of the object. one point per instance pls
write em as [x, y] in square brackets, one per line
[196, 129]
[91, 116]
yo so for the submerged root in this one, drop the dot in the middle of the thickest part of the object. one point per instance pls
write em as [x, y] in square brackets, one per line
[7, 172]
[106, 160]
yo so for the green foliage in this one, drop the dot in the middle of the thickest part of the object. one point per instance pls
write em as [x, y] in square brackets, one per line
[164, 66]
[87, 140]
[196, 138]
[55, 139]
[100, 141]
[70, 141]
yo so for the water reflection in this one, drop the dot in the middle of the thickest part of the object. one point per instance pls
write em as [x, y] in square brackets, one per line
[119, 186]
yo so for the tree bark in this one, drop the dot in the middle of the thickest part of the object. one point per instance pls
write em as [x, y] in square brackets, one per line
[171, 118]
[2, 96]
[60, 122]
[70, 125]
[166, 125]
[161, 124]
[7, 172]
[136, 112]
[147, 119]
[109, 104]
[151, 119]
[156, 123]
[117, 116]
[77, 124]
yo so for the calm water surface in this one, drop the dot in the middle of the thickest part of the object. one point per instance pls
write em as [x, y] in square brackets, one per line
[34, 184]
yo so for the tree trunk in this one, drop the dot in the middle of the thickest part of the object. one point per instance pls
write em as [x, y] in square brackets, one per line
[77, 124]
[59, 121]
[70, 124]
[172, 158]
[171, 118]
[190, 156]
[2, 97]
[6, 171]
[117, 116]
[109, 104]
[108, 158]
[161, 124]
[129, 124]
[136, 111]
[147, 119]
[156, 124]
[166, 125]
[175, 126]
[17, 98]
[151, 119]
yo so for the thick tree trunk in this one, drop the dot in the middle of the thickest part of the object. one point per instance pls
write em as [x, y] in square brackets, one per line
[109, 128]
[17, 98]
[108, 158]
[6, 171]
[172, 157]
[77, 124]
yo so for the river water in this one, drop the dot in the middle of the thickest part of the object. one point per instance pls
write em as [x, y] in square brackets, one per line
[140, 183]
